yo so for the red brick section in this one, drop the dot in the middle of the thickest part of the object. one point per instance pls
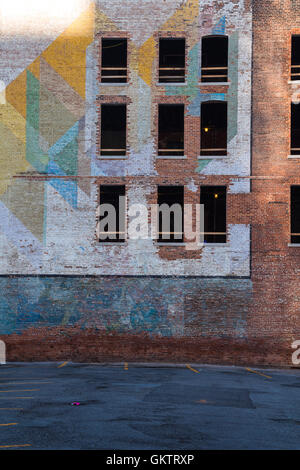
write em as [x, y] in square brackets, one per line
[74, 344]
[275, 316]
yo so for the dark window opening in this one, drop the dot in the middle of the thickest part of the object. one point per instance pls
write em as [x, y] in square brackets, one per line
[113, 129]
[114, 61]
[295, 63]
[170, 214]
[214, 65]
[295, 129]
[295, 214]
[112, 217]
[214, 200]
[172, 60]
[171, 129]
[214, 128]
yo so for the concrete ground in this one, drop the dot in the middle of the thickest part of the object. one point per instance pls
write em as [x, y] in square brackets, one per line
[126, 406]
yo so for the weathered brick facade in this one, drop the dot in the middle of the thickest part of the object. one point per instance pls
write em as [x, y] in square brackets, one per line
[64, 295]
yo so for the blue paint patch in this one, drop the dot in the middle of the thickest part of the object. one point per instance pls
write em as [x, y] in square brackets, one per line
[65, 187]
[220, 27]
[194, 109]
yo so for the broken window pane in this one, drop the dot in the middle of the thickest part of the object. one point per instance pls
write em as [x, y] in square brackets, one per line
[114, 61]
[113, 129]
[172, 60]
[214, 200]
[171, 129]
[214, 128]
[214, 65]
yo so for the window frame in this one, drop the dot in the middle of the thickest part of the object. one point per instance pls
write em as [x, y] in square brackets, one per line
[294, 234]
[218, 233]
[211, 152]
[116, 240]
[169, 241]
[179, 83]
[125, 150]
[177, 153]
[114, 83]
[214, 68]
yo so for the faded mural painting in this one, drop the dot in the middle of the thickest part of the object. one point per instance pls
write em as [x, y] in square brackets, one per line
[51, 169]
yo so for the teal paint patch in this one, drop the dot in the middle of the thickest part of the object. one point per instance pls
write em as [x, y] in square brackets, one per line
[67, 158]
[232, 95]
[157, 306]
[32, 100]
[194, 109]
[202, 164]
[191, 88]
[34, 154]
[69, 136]
[64, 162]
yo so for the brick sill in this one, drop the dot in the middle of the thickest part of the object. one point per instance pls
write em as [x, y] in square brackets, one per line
[112, 243]
[207, 157]
[113, 157]
[203, 245]
[213, 244]
[170, 157]
[169, 244]
[171, 84]
[214, 83]
[113, 84]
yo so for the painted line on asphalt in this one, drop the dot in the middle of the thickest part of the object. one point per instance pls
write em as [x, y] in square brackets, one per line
[11, 408]
[24, 383]
[13, 391]
[63, 364]
[194, 370]
[9, 424]
[15, 398]
[259, 373]
[126, 366]
[24, 378]
[15, 445]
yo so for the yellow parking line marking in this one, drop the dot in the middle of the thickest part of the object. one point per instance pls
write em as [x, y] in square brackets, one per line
[15, 445]
[259, 373]
[126, 366]
[23, 383]
[9, 424]
[13, 391]
[63, 364]
[14, 398]
[194, 370]
[11, 408]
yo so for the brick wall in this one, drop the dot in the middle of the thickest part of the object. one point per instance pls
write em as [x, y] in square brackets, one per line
[275, 264]
[63, 296]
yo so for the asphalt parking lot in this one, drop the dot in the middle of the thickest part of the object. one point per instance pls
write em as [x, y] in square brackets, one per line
[126, 407]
